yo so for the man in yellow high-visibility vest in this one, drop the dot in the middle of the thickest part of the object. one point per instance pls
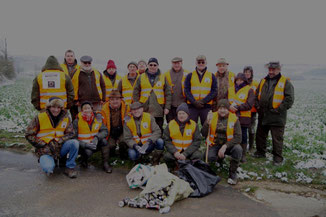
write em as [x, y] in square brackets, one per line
[274, 96]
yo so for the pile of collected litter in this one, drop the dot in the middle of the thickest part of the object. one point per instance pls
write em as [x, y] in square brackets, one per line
[161, 188]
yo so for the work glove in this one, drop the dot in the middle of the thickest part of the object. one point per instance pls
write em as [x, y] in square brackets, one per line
[92, 145]
[198, 104]
[138, 148]
[95, 141]
[39, 145]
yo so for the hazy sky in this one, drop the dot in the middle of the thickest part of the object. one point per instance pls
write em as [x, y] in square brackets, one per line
[244, 32]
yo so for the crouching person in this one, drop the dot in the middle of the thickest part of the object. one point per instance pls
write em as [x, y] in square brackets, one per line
[92, 135]
[223, 132]
[51, 133]
[142, 134]
[182, 138]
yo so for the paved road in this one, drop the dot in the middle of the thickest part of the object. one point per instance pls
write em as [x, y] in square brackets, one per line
[26, 191]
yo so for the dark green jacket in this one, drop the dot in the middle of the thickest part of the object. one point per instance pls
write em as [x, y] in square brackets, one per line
[151, 105]
[267, 115]
[191, 148]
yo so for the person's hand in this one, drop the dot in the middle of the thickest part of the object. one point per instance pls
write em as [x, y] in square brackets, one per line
[138, 148]
[221, 152]
[91, 146]
[166, 111]
[182, 157]
[233, 108]
[144, 147]
[95, 140]
[177, 155]
[274, 111]
[209, 117]
[198, 104]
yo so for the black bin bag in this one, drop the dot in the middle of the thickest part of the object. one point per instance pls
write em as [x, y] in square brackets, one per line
[199, 175]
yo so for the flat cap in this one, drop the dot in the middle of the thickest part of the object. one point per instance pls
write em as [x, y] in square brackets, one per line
[86, 59]
[176, 59]
[222, 61]
[201, 57]
[136, 105]
[115, 94]
[273, 65]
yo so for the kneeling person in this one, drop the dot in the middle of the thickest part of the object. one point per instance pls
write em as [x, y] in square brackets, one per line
[182, 137]
[142, 134]
[91, 135]
[223, 132]
[51, 133]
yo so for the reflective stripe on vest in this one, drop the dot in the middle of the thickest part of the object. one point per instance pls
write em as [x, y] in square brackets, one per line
[84, 133]
[200, 90]
[278, 91]
[145, 128]
[239, 98]
[109, 86]
[229, 131]
[52, 83]
[127, 89]
[146, 89]
[75, 83]
[182, 142]
[47, 132]
[167, 75]
[254, 85]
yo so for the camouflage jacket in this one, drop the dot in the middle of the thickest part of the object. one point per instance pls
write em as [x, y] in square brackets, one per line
[53, 147]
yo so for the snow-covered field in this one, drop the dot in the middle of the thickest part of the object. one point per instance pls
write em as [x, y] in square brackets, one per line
[305, 135]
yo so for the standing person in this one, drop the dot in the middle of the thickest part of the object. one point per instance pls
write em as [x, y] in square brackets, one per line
[70, 67]
[249, 73]
[153, 92]
[200, 89]
[111, 78]
[127, 83]
[242, 98]
[223, 134]
[142, 66]
[114, 112]
[52, 82]
[176, 77]
[274, 97]
[225, 80]
[51, 133]
[182, 138]
[142, 134]
[91, 133]
[89, 85]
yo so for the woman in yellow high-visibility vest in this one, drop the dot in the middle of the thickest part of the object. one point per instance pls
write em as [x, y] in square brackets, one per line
[182, 138]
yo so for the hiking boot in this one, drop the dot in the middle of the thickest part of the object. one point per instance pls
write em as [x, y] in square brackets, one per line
[70, 172]
[251, 141]
[105, 157]
[107, 168]
[244, 150]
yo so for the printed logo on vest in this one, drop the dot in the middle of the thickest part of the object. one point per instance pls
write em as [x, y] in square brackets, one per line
[96, 126]
[145, 125]
[64, 124]
[281, 84]
[242, 96]
[159, 84]
[231, 125]
[188, 132]
[207, 80]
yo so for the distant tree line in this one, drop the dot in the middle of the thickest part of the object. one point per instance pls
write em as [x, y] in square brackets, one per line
[7, 70]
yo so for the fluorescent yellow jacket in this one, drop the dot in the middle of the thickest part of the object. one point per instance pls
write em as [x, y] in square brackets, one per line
[109, 86]
[146, 89]
[65, 68]
[278, 91]
[182, 142]
[127, 89]
[75, 82]
[239, 98]
[86, 134]
[52, 83]
[229, 131]
[47, 132]
[145, 128]
[201, 89]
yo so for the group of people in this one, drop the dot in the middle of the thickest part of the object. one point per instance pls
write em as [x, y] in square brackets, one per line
[83, 111]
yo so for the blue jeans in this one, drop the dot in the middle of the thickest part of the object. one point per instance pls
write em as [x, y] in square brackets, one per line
[70, 146]
[134, 154]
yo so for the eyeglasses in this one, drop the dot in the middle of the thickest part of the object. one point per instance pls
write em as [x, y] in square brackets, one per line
[87, 63]
[201, 62]
[152, 65]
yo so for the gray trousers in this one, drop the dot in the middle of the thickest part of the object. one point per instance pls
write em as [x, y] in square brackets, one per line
[235, 152]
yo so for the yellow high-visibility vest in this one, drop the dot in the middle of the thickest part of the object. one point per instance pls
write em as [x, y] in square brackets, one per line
[109, 86]
[106, 113]
[239, 98]
[278, 91]
[182, 142]
[75, 83]
[254, 85]
[232, 119]
[65, 68]
[146, 89]
[145, 128]
[52, 83]
[127, 89]
[167, 75]
[201, 89]
[86, 134]
[47, 132]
